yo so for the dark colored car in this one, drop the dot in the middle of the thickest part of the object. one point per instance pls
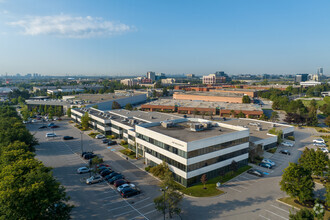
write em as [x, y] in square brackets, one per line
[42, 127]
[113, 179]
[67, 138]
[120, 182]
[51, 124]
[86, 152]
[89, 156]
[105, 141]
[128, 192]
[102, 165]
[285, 152]
[100, 169]
[255, 172]
[112, 143]
[106, 172]
[111, 175]
[54, 126]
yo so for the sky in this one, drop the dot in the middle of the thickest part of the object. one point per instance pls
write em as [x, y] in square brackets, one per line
[132, 37]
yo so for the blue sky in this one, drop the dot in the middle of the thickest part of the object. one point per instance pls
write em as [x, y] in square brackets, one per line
[104, 37]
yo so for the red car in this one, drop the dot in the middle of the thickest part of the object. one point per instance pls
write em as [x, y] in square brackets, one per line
[55, 126]
[120, 182]
[102, 165]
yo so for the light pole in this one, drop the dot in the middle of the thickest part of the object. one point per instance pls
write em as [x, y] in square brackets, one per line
[164, 190]
[81, 141]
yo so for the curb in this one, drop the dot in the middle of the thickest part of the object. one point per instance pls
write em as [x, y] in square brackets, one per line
[277, 200]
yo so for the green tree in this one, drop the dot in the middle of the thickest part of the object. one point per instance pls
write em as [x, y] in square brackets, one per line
[240, 115]
[232, 113]
[95, 106]
[173, 197]
[315, 161]
[327, 121]
[327, 194]
[297, 182]
[263, 117]
[129, 107]
[68, 112]
[115, 105]
[85, 120]
[165, 91]
[274, 116]
[246, 99]
[302, 214]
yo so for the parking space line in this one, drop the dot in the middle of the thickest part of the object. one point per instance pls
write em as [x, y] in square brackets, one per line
[249, 179]
[234, 189]
[132, 210]
[117, 208]
[128, 205]
[241, 187]
[108, 197]
[280, 209]
[264, 217]
[150, 212]
[276, 214]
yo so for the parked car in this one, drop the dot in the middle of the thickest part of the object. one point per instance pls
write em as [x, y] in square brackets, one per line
[102, 165]
[42, 127]
[54, 126]
[269, 161]
[128, 192]
[285, 152]
[325, 150]
[105, 141]
[287, 144]
[117, 177]
[94, 179]
[85, 152]
[111, 175]
[99, 136]
[89, 156]
[124, 186]
[50, 135]
[255, 172]
[319, 141]
[83, 170]
[51, 124]
[320, 144]
[105, 172]
[67, 138]
[266, 165]
[119, 182]
[112, 143]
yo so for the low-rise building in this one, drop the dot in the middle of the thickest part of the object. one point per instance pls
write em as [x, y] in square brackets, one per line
[310, 83]
[210, 96]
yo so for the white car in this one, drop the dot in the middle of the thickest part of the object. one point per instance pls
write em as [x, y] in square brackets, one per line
[94, 179]
[325, 150]
[319, 141]
[120, 188]
[268, 161]
[99, 136]
[50, 135]
[287, 144]
[83, 170]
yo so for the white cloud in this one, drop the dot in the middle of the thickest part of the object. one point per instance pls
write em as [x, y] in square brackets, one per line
[71, 27]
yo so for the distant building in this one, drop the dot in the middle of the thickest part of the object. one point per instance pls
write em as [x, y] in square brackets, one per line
[301, 77]
[129, 82]
[215, 78]
[310, 83]
[160, 76]
[168, 81]
[324, 94]
[190, 76]
[151, 75]
[320, 71]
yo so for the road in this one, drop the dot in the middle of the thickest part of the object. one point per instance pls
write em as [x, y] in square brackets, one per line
[97, 201]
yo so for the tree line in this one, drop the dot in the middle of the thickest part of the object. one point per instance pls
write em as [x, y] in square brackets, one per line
[27, 188]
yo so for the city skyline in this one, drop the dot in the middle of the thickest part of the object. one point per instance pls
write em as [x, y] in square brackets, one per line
[134, 37]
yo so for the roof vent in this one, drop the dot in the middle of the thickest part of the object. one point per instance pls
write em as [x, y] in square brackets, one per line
[259, 129]
[196, 127]
[167, 124]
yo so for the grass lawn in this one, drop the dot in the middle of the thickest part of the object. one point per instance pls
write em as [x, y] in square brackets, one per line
[92, 134]
[318, 102]
[290, 201]
[124, 151]
[211, 190]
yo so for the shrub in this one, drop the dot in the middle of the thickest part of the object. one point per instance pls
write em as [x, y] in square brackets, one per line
[159, 170]
[291, 138]
[147, 168]
[113, 136]
[123, 142]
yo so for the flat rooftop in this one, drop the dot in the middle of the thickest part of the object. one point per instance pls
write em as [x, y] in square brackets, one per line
[221, 94]
[204, 104]
[95, 98]
[255, 135]
[181, 131]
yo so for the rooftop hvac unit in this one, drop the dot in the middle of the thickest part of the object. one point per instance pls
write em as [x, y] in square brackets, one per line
[273, 125]
[167, 124]
[152, 117]
[196, 127]
[132, 121]
[124, 120]
[259, 129]
[207, 125]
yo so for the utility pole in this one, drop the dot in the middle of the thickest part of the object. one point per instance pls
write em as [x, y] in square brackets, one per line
[164, 190]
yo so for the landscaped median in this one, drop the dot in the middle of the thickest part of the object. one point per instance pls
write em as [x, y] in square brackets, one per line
[293, 202]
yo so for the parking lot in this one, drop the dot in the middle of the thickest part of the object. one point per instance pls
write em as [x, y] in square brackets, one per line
[101, 200]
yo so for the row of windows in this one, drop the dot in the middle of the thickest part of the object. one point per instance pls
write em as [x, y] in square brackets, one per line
[217, 147]
[162, 145]
[131, 137]
[166, 159]
[218, 159]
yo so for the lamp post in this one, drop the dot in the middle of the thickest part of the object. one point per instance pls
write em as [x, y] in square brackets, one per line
[81, 141]
[164, 190]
